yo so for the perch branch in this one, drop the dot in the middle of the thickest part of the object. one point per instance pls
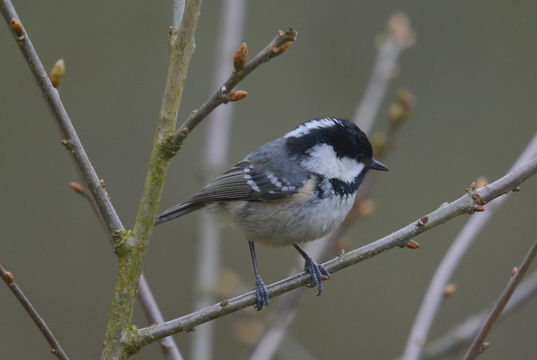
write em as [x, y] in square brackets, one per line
[518, 274]
[434, 294]
[56, 348]
[466, 204]
[277, 46]
[132, 248]
[98, 196]
[462, 335]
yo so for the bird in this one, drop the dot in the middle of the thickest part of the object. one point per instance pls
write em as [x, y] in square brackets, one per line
[291, 190]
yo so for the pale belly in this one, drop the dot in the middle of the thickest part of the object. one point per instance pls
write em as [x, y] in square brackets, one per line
[277, 223]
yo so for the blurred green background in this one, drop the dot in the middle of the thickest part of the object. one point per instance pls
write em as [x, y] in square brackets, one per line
[472, 70]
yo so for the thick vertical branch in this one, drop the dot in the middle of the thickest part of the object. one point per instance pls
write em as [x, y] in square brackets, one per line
[214, 160]
[133, 249]
[97, 196]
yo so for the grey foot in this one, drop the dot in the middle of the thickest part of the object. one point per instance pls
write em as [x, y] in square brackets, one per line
[261, 294]
[317, 271]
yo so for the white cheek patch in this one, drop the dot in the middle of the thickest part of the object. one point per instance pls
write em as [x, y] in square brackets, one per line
[310, 125]
[323, 160]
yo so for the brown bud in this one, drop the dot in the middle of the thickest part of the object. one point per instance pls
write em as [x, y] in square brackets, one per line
[517, 189]
[478, 208]
[514, 271]
[18, 28]
[423, 220]
[76, 187]
[481, 181]
[444, 204]
[449, 289]
[8, 277]
[57, 73]
[378, 141]
[399, 27]
[241, 56]
[237, 95]
[278, 50]
[413, 244]
[325, 277]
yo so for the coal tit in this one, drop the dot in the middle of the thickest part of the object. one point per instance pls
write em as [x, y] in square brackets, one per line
[294, 189]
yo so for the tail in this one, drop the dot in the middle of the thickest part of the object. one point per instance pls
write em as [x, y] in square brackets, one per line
[178, 210]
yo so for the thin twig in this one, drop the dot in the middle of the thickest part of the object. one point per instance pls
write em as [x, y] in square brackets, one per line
[70, 138]
[214, 160]
[400, 37]
[177, 12]
[366, 113]
[518, 274]
[132, 248]
[98, 196]
[56, 348]
[149, 306]
[462, 335]
[276, 47]
[434, 295]
[463, 205]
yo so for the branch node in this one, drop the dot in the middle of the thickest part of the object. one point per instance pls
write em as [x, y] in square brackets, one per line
[484, 346]
[516, 189]
[68, 144]
[102, 183]
[18, 28]
[422, 221]
[514, 271]
[224, 303]
[471, 190]
[119, 238]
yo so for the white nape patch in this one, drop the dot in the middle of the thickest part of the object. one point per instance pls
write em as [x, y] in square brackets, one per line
[323, 160]
[251, 182]
[311, 125]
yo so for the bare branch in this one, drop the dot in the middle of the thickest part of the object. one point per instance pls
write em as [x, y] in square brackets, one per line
[463, 205]
[132, 248]
[276, 47]
[56, 348]
[433, 296]
[70, 138]
[98, 197]
[177, 13]
[213, 162]
[517, 275]
[461, 335]
[400, 36]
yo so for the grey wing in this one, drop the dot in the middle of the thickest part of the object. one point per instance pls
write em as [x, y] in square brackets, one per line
[245, 181]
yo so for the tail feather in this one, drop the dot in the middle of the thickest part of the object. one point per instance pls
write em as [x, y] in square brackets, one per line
[178, 210]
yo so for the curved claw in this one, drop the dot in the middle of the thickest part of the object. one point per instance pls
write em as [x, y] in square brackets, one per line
[317, 271]
[261, 294]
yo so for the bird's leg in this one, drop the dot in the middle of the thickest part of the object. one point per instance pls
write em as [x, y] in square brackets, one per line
[316, 270]
[261, 292]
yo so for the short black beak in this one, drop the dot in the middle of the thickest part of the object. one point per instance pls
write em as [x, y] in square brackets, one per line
[377, 165]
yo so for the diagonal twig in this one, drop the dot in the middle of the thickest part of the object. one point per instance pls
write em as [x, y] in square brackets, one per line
[98, 196]
[478, 345]
[276, 47]
[56, 348]
[466, 204]
[434, 295]
[461, 335]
